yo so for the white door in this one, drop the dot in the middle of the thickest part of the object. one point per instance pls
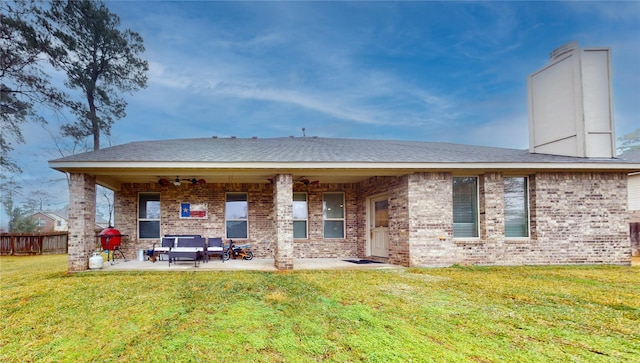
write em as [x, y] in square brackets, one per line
[379, 226]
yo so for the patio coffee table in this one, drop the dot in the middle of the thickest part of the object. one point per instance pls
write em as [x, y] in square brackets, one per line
[193, 253]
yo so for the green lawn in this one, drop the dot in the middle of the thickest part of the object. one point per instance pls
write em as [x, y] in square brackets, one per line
[458, 314]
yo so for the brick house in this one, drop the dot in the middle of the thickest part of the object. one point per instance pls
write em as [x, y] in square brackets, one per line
[50, 221]
[408, 203]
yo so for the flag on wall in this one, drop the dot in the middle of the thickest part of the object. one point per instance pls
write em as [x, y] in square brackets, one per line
[196, 211]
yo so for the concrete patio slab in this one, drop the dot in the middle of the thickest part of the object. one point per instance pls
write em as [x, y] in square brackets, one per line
[257, 264]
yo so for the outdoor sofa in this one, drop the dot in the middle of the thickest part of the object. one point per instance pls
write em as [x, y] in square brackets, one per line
[190, 247]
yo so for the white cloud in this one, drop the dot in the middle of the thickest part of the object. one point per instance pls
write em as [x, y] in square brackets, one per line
[608, 11]
[158, 74]
[508, 132]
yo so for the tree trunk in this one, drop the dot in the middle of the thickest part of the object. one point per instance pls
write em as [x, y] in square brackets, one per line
[95, 127]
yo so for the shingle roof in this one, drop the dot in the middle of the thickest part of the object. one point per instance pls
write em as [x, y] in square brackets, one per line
[314, 149]
[631, 155]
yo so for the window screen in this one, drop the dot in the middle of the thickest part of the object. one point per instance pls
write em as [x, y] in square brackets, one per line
[300, 215]
[149, 215]
[333, 214]
[465, 207]
[516, 207]
[236, 215]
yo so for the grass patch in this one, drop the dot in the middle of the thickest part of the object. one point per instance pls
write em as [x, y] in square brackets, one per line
[458, 314]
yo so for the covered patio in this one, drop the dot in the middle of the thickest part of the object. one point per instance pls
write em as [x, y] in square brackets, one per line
[257, 264]
[245, 190]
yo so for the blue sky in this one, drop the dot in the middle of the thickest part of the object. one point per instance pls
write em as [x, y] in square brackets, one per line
[427, 71]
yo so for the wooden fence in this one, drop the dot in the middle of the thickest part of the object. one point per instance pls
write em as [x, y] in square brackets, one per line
[34, 243]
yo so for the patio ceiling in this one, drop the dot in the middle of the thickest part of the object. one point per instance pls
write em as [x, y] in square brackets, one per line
[113, 178]
[112, 174]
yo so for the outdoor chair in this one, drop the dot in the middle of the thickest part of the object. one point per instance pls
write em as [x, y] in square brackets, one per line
[165, 245]
[214, 248]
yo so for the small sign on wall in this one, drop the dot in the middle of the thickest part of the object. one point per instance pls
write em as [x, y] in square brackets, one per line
[193, 211]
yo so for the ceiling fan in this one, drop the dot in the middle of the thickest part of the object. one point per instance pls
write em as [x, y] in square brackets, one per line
[306, 182]
[177, 181]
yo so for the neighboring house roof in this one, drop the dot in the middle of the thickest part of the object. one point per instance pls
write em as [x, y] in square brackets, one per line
[229, 159]
[52, 215]
[63, 212]
[41, 214]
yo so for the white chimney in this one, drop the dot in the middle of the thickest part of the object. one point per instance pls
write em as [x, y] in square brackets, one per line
[570, 104]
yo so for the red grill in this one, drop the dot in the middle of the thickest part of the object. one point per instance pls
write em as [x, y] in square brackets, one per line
[110, 240]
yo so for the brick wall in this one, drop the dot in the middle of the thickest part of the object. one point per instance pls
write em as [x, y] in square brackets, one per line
[260, 213]
[431, 219]
[574, 218]
[262, 231]
[420, 218]
[582, 218]
[316, 246]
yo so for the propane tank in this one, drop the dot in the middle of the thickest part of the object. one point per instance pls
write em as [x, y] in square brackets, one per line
[95, 262]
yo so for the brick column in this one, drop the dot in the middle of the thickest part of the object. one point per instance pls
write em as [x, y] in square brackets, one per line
[82, 218]
[283, 212]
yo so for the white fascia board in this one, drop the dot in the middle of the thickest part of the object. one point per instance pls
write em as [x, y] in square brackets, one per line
[80, 165]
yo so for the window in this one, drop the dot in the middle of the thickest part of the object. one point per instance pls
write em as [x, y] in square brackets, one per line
[381, 213]
[633, 191]
[236, 215]
[333, 214]
[300, 215]
[465, 207]
[149, 215]
[41, 222]
[516, 207]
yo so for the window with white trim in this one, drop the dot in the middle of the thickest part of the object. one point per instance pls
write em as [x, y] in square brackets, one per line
[465, 207]
[300, 215]
[236, 215]
[333, 215]
[148, 215]
[516, 207]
